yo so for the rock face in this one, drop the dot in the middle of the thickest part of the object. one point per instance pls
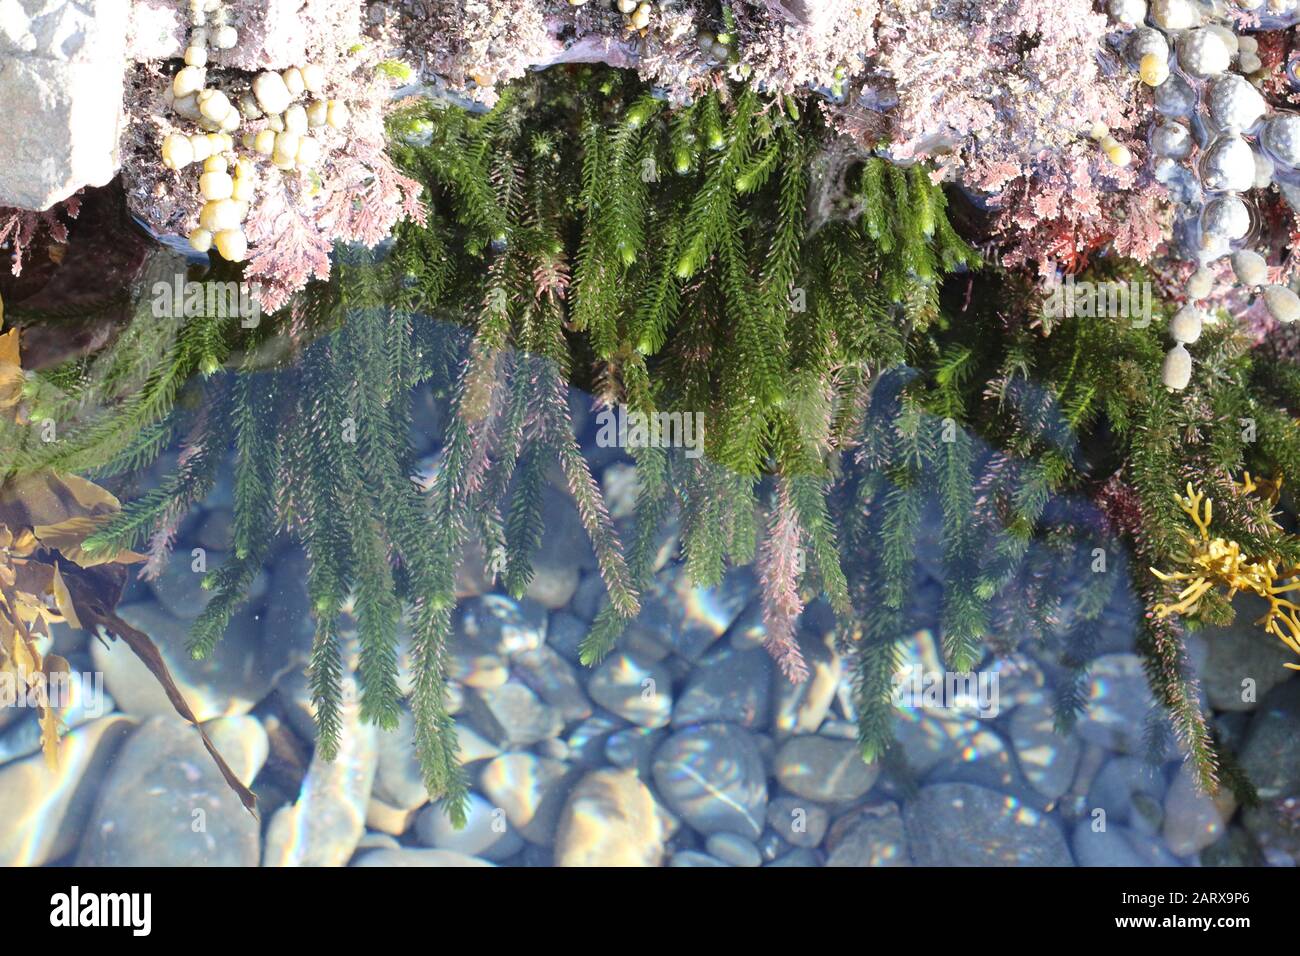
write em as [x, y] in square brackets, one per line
[62, 66]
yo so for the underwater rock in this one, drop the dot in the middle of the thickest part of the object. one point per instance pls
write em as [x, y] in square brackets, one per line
[727, 685]
[323, 825]
[733, 850]
[682, 618]
[501, 625]
[1119, 704]
[512, 716]
[635, 690]
[633, 748]
[986, 759]
[610, 819]
[1195, 820]
[797, 821]
[1130, 791]
[399, 782]
[531, 791]
[64, 68]
[825, 770]
[164, 803]
[487, 832]
[1048, 759]
[1271, 760]
[871, 836]
[1241, 662]
[411, 857]
[800, 708]
[712, 776]
[554, 680]
[957, 824]
[694, 859]
[1117, 846]
[45, 814]
[240, 671]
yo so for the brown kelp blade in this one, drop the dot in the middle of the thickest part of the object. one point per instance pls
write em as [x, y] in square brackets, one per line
[96, 617]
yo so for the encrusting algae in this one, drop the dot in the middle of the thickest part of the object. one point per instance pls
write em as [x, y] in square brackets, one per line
[1215, 562]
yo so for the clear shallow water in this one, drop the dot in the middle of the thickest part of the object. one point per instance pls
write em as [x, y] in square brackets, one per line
[685, 747]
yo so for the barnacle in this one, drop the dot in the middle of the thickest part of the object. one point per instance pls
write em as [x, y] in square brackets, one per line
[1212, 562]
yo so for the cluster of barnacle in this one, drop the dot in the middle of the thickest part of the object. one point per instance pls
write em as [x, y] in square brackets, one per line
[1212, 562]
[1217, 139]
[229, 181]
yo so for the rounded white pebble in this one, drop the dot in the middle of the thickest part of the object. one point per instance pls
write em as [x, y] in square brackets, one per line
[202, 147]
[1282, 303]
[1177, 369]
[200, 240]
[1249, 62]
[272, 95]
[225, 38]
[1250, 267]
[196, 56]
